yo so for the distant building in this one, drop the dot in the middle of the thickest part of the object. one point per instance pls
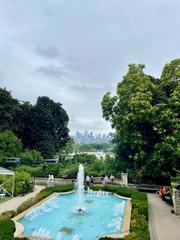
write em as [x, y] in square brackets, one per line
[51, 161]
[13, 162]
[90, 137]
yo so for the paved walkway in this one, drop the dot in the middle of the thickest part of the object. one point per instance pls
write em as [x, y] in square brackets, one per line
[14, 203]
[163, 225]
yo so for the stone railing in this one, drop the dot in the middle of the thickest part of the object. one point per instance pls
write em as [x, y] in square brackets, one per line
[57, 181]
[176, 200]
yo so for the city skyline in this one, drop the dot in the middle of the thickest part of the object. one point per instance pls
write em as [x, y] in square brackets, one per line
[91, 137]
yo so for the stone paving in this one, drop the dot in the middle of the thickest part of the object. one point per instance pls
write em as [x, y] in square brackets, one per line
[163, 225]
[15, 202]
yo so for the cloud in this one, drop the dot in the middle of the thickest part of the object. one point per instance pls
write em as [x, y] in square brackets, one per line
[85, 89]
[76, 51]
[52, 71]
[47, 51]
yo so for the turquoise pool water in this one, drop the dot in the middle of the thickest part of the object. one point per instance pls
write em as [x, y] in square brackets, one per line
[57, 220]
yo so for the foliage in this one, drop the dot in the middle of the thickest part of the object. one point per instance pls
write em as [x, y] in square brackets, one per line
[139, 216]
[33, 171]
[10, 145]
[8, 109]
[145, 114]
[7, 228]
[7, 215]
[69, 170]
[93, 147]
[31, 157]
[42, 127]
[23, 183]
[48, 131]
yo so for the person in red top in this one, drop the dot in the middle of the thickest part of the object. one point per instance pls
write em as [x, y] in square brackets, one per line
[163, 192]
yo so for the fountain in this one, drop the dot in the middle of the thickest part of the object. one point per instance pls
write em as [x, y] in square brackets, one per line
[54, 219]
[80, 190]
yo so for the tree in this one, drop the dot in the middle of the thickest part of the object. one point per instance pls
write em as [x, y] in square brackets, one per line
[8, 109]
[10, 145]
[43, 127]
[49, 127]
[31, 157]
[145, 115]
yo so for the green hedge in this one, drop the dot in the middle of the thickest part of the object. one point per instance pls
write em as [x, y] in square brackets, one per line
[139, 215]
[7, 229]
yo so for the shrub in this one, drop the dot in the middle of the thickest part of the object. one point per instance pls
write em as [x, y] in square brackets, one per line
[49, 169]
[23, 183]
[33, 171]
[69, 171]
[7, 228]
[7, 215]
[31, 157]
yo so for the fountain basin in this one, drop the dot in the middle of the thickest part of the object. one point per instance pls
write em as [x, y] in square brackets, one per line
[104, 215]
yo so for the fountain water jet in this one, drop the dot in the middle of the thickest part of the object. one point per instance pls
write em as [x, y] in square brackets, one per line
[80, 190]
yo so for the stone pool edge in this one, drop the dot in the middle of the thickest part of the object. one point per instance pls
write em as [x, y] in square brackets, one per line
[19, 226]
[125, 225]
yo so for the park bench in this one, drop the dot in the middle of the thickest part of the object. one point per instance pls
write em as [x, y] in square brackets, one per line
[148, 187]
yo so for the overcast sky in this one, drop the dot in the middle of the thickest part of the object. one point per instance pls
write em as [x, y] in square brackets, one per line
[74, 51]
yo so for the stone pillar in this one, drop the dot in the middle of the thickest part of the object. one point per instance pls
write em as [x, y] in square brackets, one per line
[176, 201]
[124, 177]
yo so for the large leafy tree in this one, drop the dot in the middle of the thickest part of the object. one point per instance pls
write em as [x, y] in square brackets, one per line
[144, 113]
[8, 109]
[10, 145]
[42, 127]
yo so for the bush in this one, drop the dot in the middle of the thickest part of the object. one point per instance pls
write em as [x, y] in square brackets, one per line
[7, 228]
[69, 171]
[31, 157]
[7, 215]
[23, 183]
[49, 169]
[33, 171]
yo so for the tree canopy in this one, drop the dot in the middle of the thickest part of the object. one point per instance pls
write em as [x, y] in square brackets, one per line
[145, 114]
[43, 126]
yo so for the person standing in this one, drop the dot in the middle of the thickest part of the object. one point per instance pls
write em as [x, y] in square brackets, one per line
[87, 179]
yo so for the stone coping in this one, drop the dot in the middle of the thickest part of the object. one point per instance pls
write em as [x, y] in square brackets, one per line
[125, 225]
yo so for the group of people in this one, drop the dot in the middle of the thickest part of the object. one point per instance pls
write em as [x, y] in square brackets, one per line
[104, 179]
[50, 182]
